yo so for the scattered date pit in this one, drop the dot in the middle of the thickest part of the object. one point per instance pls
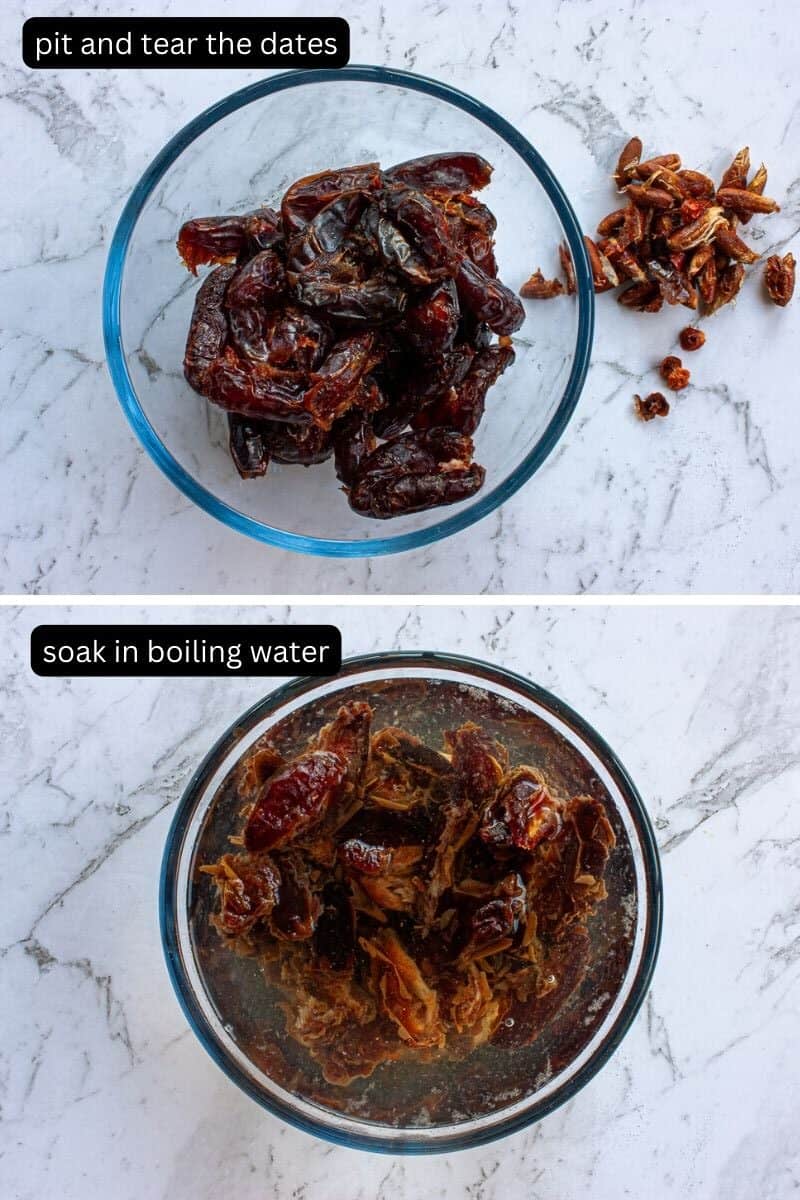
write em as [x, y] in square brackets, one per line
[675, 239]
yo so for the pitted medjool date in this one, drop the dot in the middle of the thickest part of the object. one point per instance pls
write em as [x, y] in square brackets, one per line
[370, 292]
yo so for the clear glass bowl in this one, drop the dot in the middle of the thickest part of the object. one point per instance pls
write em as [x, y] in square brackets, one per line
[493, 1092]
[244, 151]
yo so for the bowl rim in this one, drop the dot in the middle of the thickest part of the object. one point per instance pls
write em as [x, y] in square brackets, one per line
[482, 670]
[222, 510]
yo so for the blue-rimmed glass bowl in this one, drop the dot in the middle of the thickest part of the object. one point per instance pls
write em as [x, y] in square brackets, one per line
[244, 151]
[235, 1013]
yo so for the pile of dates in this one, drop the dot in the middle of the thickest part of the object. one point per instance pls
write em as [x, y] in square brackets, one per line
[409, 901]
[357, 323]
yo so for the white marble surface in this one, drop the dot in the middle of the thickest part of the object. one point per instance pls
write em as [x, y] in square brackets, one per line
[704, 501]
[104, 1090]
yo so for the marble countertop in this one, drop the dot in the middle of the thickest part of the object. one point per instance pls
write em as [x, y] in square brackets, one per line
[105, 1091]
[705, 501]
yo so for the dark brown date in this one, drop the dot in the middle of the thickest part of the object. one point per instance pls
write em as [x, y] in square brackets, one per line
[261, 281]
[263, 230]
[297, 340]
[305, 198]
[249, 446]
[294, 917]
[414, 493]
[472, 227]
[522, 814]
[488, 299]
[373, 301]
[364, 308]
[328, 232]
[478, 763]
[348, 737]
[453, 172]
[414, 472]
[223, 239]
[335, 386]
[461, 408]
[208, 331]
[398, 253]
[494, 926]
[431, 324]
[353, 440]
[432, 381]
[424, 221]
[358, 855]
[211, 240]
[248, 891]
[294, 800]
[248, 330]
[253, 390]
[299, 445]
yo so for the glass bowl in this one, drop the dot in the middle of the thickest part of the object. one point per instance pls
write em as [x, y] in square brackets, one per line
[492, 1092]
[244, 151]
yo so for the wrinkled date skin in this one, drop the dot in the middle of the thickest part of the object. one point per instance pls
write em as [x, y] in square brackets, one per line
[402, 898]
[348, 737]
[372, 302]
[443, 173]
[431, 325]
[354, 439]
[472, 227]
[209, 328]
[360, 856]
[328, 232]
[294, 800]
[416, 471]
[297, 341]
[253, 390]
[423, 221]
[249, 446]
[462, 406]
[248, 891]
[478, 764]
[522, 814]
[496, 924]
[333, 384]
[296, 912]
[261, 281]
[221, 239]
[305, 198]
[300, 445]
[488, 299]
[363, 310]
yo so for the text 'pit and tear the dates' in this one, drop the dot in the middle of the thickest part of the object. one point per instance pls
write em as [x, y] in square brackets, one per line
[185, 42]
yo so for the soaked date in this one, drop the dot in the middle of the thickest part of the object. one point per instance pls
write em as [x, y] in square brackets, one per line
[408, 898]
